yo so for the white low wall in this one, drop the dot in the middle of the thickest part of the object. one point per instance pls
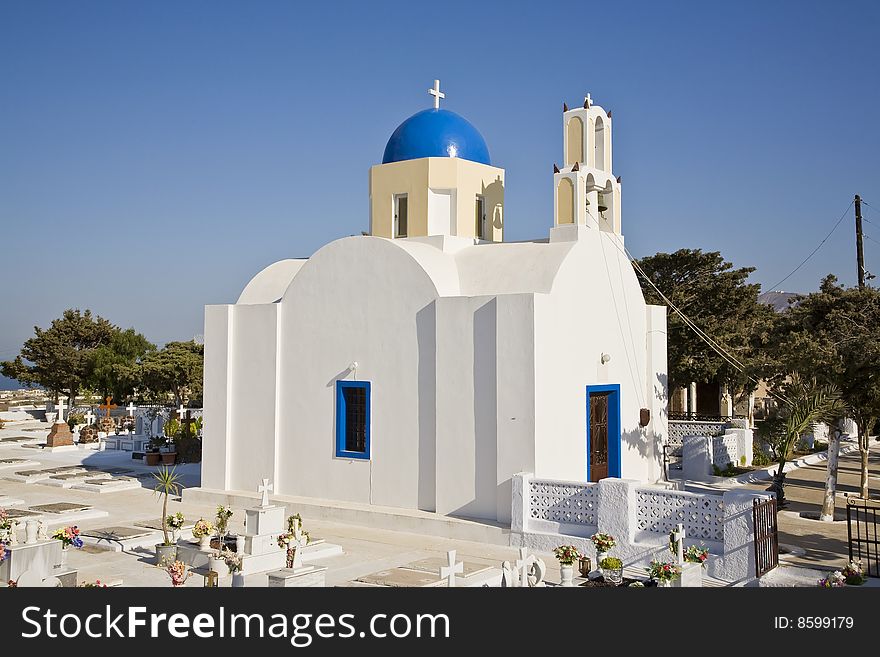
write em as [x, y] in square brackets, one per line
[548, 513]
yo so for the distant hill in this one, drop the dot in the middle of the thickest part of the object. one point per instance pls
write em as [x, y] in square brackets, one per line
[9, 384]
[779, 300]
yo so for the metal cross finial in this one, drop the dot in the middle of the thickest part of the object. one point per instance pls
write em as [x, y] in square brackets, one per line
[588, 101]
[437, 94]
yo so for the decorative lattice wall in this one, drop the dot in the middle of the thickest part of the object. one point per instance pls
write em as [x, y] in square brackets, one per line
[659, 511]
[678, 429]
[556, 501]
[725, 449]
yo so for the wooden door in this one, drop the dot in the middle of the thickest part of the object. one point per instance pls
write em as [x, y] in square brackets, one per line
[598, 444]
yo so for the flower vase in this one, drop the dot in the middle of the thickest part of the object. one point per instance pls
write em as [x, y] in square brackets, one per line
[204, 542]
[237, 580]
[566, 572]
[31, 531]
[665, 583]
[599, 557]
[175, 535]
[218, 565]
[63, 555]
[291, 552]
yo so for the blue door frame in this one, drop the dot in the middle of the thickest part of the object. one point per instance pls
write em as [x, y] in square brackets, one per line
[613, 390]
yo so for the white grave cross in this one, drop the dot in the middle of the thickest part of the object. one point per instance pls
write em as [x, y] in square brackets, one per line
[437, 94]
[60, 408]
[264, 488]
[679, 543]
[522, 566]
[448, 572]
[181, 412]
[131, 408]
[89, 417]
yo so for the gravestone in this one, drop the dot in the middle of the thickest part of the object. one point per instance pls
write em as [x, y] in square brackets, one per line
[310, 576]
[88, 434]
[61, 507]
[696, 458]
[59, 436]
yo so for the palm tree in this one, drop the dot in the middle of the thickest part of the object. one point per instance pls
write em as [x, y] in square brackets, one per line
[167, 483]
[807, 403]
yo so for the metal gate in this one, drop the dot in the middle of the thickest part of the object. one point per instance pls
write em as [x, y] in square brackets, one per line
[766, 536]
[861, 527]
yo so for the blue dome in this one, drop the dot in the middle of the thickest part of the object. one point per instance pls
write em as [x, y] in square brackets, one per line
[436, 133]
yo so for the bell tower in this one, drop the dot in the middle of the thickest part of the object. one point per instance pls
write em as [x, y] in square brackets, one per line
[586, 192]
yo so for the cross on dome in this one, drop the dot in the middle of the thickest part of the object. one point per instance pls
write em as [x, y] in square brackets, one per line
[437, 94]
[588, 101]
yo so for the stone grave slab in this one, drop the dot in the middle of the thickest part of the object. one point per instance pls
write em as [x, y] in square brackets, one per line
[7, 464]
[60, 507]
[156, 524]
[18, 440]
[118, 538]
[433, 564]
[318, 549]
[70, 479]
[106, 484]
[22, 514]
[27, 476]
[402, 577]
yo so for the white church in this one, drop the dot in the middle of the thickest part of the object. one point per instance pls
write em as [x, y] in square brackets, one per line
[425, 363]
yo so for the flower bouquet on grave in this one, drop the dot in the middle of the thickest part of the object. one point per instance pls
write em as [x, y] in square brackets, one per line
[175, 524]
[287, 542]
[694, 554]
[566, 554]
[221, 523]
[69, 537]
[178, 573]
[232, 559]
[834, 580]
[854, 574]
[295, 523]
[92, 585]
[603, 542]
[202, 531]
[663, 572]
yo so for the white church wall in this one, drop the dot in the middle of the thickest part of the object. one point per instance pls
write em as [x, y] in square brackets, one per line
[216, 402]
[466, 403]
[658, 386]
[357, 300]
[596, 307]
[269, 285]
[515, 385]
[252, 420]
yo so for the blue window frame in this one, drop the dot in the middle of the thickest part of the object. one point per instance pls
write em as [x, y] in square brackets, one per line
[353, 419]
[611, 423]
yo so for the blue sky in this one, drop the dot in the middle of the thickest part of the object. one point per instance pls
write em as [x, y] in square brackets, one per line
[155, 155]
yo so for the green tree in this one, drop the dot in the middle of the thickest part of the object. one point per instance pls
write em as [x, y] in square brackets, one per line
[60, 357]
[175, 369]
[724, 305]
[115, 368]
[834, 334]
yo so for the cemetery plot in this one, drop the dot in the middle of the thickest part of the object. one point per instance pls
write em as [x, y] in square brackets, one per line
[401, 577]
[433, 565]
[106, 484]
[6, 464]
[70, 479]
[13, 441]
[156, 524]
[66, 513]
[22, 514]
[117, 538]
[34, 476]
[60, 507]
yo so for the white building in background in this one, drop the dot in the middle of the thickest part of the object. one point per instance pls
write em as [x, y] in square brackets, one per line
[423, 365]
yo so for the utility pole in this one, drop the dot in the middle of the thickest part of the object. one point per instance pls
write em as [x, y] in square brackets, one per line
[860, 254]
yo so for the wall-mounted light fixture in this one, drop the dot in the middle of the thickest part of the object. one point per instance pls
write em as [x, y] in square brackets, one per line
[605, 358]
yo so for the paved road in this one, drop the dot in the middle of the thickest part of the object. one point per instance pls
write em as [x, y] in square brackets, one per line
[824, 543]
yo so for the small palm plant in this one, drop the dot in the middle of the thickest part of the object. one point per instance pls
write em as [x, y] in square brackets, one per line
[807, 403]
[167, 483]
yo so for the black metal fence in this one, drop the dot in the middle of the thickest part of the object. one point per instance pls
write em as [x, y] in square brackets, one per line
[766, 536]
[861, 527]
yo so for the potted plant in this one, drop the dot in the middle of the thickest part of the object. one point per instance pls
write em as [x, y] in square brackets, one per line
[202, 531]
[175, 524]
[151, 454]
[567, 555]
[167, 483]
[234, 563]
[612, 570]
[663, 572]
[603, 544]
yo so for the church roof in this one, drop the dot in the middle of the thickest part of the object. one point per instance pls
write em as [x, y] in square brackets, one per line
[436, 133]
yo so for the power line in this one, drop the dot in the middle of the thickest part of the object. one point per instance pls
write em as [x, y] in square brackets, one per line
[813, 252]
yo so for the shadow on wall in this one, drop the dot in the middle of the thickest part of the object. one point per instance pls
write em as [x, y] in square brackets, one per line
[494, 195]
[427, 376]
